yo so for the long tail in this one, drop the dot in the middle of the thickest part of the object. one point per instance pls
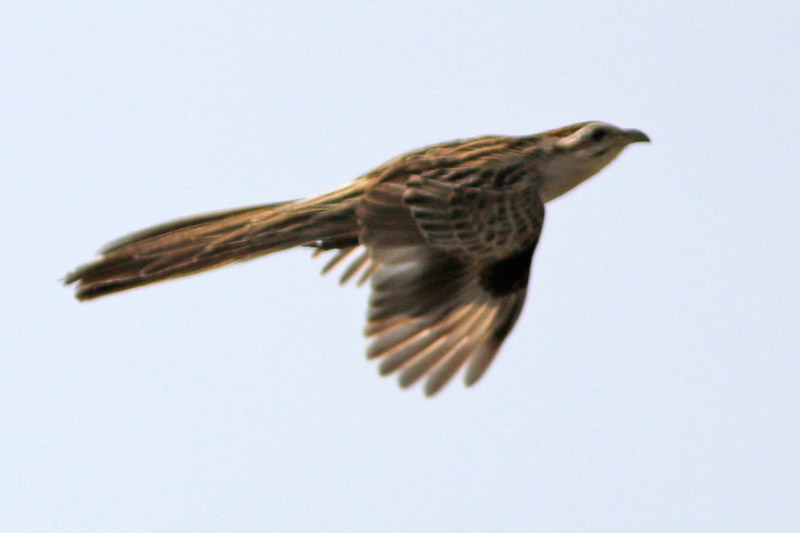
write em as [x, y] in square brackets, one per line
[194, 244]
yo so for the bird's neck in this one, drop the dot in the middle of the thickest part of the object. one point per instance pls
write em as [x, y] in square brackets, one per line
[560, 174]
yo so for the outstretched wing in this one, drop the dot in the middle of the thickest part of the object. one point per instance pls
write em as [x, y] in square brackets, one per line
[453, 262]
[481, 223]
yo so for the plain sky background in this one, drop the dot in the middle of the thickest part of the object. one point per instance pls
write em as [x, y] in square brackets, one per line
[651, 384]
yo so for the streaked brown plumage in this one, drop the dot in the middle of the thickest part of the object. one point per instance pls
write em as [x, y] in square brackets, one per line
[445, 234]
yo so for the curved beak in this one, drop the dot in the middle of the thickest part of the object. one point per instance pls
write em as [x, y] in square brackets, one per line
[636, 136]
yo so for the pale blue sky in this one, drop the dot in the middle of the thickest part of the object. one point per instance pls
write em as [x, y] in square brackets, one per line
[652, 382]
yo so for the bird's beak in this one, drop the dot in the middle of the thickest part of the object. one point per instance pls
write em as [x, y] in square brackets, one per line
[636, 136]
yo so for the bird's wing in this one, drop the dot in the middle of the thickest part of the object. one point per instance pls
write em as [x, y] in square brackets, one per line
[452, 270]
[480, 222]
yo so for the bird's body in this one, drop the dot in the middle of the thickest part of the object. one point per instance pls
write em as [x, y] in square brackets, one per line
[446, 236]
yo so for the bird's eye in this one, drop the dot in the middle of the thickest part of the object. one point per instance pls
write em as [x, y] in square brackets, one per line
[599, 134]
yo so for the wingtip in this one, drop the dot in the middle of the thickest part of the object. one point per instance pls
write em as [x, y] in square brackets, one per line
[432, 388]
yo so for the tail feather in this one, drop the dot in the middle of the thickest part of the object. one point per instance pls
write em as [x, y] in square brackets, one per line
[191, 245]
[181, 223]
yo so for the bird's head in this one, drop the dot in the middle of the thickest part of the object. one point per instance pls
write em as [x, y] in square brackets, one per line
[595, 139]
[579, 151]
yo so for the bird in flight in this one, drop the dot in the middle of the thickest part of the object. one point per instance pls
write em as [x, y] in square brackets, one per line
[444, 234]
